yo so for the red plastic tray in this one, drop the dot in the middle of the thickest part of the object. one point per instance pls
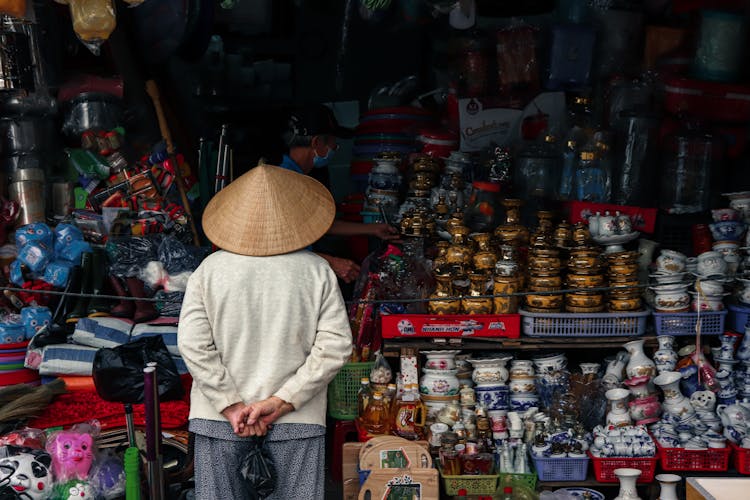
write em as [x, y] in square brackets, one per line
[680, 459]
[741, 459]
[604, 468]
[451, 325]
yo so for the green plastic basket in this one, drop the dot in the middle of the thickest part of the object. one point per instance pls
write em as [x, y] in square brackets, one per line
[507, 479]
[473, 485]
[342, 391]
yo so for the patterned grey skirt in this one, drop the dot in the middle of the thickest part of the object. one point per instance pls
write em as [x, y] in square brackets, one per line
[297, 450]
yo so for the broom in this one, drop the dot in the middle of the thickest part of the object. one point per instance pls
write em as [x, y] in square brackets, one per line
[22, 402]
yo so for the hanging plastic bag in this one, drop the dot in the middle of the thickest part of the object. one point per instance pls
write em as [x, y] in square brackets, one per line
[93, 21]
[381, 373]
[15, 8]
[258, 471]
[118, 372]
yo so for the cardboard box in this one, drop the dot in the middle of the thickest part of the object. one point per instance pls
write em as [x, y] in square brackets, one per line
[451, 325]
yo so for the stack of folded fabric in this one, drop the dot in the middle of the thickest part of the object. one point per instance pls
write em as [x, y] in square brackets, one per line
[73, 361]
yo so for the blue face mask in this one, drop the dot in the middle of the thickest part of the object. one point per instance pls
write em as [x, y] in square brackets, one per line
[322, 161]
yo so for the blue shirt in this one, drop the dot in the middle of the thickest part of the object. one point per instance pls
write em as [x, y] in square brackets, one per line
[289, 164]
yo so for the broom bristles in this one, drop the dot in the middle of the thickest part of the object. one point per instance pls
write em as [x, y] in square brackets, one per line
[33, 403]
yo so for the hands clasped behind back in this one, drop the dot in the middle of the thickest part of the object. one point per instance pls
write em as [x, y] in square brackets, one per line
[255, 419]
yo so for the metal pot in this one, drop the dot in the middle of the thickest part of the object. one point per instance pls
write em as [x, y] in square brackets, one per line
[27, 134]
[92, 111]
[16, 65]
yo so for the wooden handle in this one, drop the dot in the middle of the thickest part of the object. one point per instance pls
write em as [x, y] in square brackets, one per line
[153, 91]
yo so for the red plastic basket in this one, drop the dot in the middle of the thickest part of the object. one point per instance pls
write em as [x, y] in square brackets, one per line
[680, 459]
[741, 459]
[604, 468]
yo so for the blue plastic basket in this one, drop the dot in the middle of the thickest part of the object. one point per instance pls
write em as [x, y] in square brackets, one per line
[738, 317]
[561, 469]
[712, 323]
[584, 325]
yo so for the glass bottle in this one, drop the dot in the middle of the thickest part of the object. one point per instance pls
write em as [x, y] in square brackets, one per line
[417, 278]
[689, 158]
[483, 208]
[363, 396]
[538, 168]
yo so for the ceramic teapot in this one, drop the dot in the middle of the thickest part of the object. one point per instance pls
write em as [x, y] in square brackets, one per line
[736, 415]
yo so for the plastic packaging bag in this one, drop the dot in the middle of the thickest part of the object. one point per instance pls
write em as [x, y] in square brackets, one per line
[93, 21]
[129, 255]
[36, 231]
[72, 451]
[24, 467]
[175, 256]
[118, 372]
[258, 471]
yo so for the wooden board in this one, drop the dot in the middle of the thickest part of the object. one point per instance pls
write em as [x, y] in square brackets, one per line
[377, 452]
[413, 483]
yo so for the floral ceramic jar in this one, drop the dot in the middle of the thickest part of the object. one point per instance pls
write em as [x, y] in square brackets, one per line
[439, 382]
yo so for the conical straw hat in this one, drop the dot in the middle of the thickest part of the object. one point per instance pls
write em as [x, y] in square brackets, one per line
[269, 211]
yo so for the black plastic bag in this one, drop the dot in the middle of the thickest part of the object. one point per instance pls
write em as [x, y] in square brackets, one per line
[258, 470]
[118, 371]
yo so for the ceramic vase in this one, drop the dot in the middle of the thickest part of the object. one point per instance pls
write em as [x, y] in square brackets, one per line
[674, 401]
[443, 291]
[439, 382]
[490, 372]
[628, 478]
[668, 484]
[639, 364]
[645, 411]
[665, 358]
[743, 352]
[474, 303]
[618, 415]
[638, 386]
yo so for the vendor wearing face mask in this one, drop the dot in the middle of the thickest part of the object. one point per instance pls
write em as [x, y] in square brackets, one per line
[311, 141]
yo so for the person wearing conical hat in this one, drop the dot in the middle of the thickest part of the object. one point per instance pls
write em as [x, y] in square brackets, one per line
[311, 138]
[263, 330]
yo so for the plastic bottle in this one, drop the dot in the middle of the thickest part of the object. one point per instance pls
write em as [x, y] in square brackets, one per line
[390, 396]
[363, 396]
[409, 414]
[590, 181]
[376, 419]
[507, 493]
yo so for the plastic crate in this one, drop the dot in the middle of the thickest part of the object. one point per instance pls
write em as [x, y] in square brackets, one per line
[561, 469]
[584, 325]
[680, 459]
[604, 468]
[342, 391]
[508, 479]
[472, 485]
[737, 317]
[741, 459]
[712, 323]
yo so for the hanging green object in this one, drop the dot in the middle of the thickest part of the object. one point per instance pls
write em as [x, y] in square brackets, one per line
[229, 4]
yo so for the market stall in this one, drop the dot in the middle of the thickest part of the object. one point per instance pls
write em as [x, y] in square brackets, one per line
[564, 314]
